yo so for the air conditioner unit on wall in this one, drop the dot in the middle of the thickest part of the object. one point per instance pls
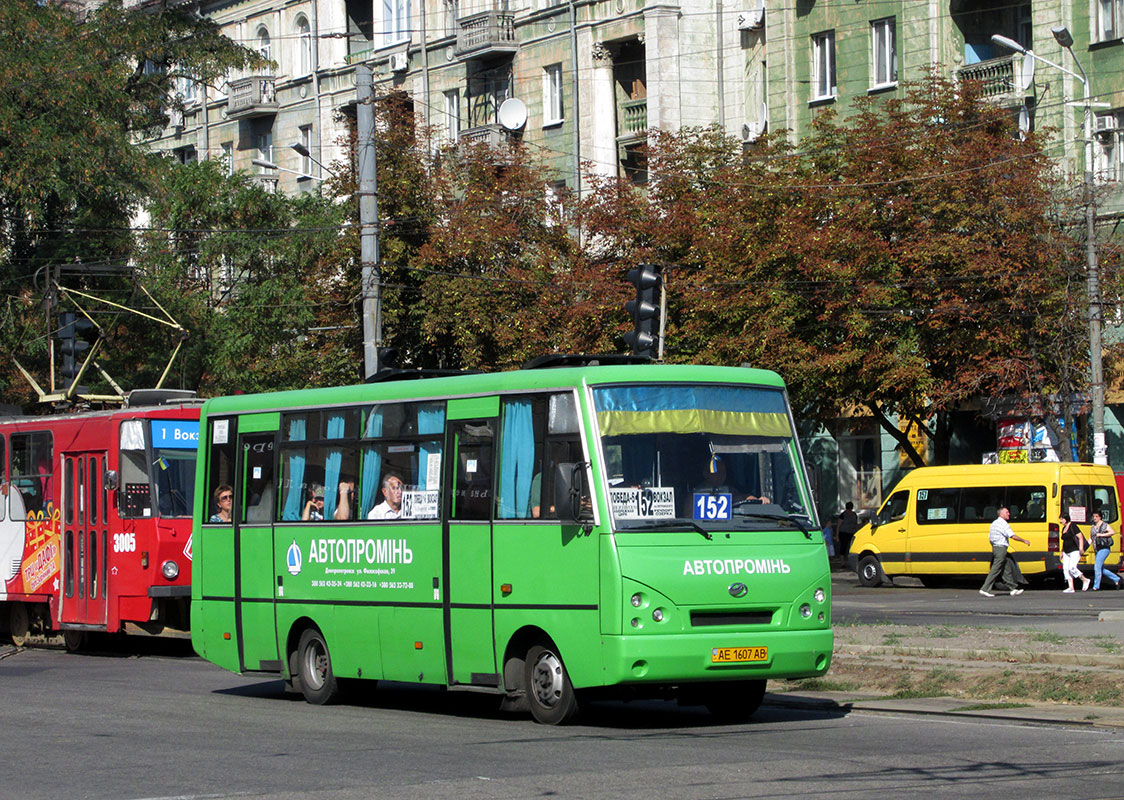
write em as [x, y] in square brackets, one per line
[751, 131]
[752, 19]
[399, 62]
[1106, 124]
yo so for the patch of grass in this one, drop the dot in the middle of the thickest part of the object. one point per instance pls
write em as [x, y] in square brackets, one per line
[1049, 637]
[1110, 644]
[934, 683]
[823, 685]
[989, 706]
[945, 632]
[891, 639]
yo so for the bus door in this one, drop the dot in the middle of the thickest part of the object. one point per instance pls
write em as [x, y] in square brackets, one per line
[254, 569]
[470, 433]
[85, 535]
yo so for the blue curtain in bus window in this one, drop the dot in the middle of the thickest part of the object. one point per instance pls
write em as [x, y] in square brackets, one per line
[431, 419]
[517, 460]
[372, 463]
[294, 491]
[332, 467]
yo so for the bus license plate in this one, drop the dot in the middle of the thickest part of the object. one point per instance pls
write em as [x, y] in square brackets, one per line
[738, 655]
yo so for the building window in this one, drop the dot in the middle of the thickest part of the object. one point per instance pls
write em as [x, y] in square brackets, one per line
[187, 88]
[453, 114]
[186, 155]
[304, 47]
[228, 158]
[450, 14]
[1109, 152]
[823, 65]
[1110, 15]
[264, 47]
[552, 95]
[304, 134]
[264, 145]
[884, 52]
[395, 20]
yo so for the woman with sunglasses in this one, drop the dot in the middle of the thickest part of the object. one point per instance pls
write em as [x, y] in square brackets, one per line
[224, 496]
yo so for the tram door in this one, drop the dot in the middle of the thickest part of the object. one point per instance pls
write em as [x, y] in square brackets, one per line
[85, 537]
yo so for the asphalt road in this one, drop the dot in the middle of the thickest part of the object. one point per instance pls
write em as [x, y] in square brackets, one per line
[166, 724]
[1041, 606]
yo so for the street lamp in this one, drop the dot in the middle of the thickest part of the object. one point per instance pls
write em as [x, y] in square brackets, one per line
[1063, 37]
[261, 162]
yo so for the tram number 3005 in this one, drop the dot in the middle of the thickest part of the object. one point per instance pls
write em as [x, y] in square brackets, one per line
[124, 542]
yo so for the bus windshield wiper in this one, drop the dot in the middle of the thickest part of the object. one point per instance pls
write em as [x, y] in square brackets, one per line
[795, 520]
[677, 522]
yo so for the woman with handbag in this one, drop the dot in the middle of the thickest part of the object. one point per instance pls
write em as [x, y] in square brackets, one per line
[1073, 545]
[1102, 534]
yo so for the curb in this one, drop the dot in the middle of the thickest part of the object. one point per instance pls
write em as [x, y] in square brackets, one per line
[942, 707]
[1066, 659]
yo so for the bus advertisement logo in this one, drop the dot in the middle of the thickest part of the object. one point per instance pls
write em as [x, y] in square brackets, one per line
[293, 558]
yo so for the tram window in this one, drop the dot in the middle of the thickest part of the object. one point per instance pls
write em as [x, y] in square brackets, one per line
[135, 494]
[69, 492]
[30, 473]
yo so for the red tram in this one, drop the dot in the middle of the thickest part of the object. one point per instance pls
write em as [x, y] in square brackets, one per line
[95, 519]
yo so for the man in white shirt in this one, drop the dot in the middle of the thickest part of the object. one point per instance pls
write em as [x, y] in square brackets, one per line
[1000, 536]
[391, 506]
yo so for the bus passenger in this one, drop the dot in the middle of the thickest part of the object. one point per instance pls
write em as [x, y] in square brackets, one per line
[343, 506]
[391, 506]
[314, 506]
[224, 497]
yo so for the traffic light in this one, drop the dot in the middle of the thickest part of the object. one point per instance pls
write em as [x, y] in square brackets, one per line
[75, 335]
[645, 311]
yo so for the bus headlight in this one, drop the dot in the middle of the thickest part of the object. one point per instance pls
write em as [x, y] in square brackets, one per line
[657, 615]
[637, 600]
[819, 595]
[805, 611]
[170, 569]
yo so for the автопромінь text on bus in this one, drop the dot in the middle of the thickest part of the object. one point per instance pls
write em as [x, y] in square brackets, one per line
[538, 534]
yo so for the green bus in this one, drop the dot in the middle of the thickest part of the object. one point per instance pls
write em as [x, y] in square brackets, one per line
[548, 534]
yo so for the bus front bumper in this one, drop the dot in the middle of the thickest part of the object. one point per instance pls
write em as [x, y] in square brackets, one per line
[680, 658]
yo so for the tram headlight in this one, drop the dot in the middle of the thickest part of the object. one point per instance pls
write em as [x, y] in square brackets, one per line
[170, 570]
[819, 595]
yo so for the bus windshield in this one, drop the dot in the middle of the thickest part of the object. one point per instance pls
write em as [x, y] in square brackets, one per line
[700, 455]
[158, 467]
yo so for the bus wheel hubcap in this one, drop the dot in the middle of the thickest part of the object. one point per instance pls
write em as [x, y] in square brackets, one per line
[548, 679]
[317, 664]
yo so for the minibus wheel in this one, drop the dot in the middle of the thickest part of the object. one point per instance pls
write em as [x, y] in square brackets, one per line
[549, 692]
[314, 665]
[870, 571]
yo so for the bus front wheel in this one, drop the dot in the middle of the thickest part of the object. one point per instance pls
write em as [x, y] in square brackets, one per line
[314, 664]
[737, 701]
[549, 692]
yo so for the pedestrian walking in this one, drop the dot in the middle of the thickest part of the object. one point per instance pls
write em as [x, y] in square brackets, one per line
[1102, 535]
[1073, 546]
[1002, 562]
[848, 525]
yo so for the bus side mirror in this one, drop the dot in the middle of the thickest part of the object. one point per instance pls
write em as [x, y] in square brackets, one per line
[569, 492]
[110, 479]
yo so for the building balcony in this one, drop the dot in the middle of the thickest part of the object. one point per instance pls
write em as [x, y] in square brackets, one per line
[633, 123]
[486, 34]
[1001, 77]
[491, 135]
[252, 97]
[268, 182]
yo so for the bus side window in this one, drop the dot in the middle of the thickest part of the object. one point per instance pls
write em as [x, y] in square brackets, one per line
[563, 445]
[32, 456]
[403, 440]
[220, 460]
[522, 425]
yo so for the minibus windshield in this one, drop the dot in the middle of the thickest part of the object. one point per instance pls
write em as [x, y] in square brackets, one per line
[717, 456]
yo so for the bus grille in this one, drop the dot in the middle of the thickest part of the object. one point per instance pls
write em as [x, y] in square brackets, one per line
[704, 618]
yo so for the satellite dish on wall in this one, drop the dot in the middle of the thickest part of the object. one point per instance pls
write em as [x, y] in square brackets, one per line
[513, 114]
[1026, 75]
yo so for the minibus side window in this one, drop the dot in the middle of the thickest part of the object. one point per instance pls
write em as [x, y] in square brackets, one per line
[981, 503]
[1027, 503]
[1075, 502]
[1104, 500]
[894, 509]
[937, 506]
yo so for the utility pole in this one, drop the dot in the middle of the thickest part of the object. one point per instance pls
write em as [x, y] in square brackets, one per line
[371, 276]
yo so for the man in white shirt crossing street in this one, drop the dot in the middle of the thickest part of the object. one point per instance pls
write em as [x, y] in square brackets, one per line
[1000, 536]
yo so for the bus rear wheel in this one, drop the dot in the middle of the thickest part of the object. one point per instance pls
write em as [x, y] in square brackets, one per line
[735, 702]
[314, 665]
[549, 692]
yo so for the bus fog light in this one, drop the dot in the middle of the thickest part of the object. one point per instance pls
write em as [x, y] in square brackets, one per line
[805, 611]
[657, 615]
[635, 622]
[637, 600]
[820, 595]
[821, 617]
[170, 569]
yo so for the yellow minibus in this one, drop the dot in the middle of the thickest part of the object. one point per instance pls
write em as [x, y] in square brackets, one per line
[934, 524]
